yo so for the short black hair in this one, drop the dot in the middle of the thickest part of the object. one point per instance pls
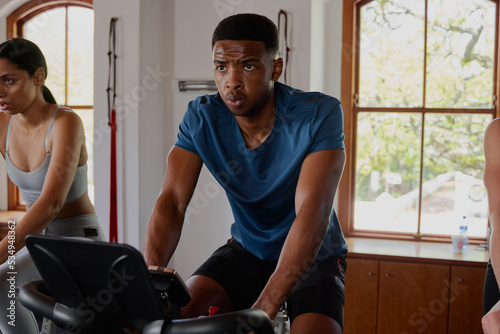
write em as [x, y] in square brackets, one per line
[248, 27]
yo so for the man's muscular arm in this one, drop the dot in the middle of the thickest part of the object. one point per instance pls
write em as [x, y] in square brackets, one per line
[166, 220]
[318, 181]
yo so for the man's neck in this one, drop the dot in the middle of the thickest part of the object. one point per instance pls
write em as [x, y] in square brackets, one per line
[255, 129]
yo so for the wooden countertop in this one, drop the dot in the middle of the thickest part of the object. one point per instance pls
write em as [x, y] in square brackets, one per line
[398, 250]
[5, 216]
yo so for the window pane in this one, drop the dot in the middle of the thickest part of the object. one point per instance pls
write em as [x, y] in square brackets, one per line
[460, 53]
[87, 116]
[392, 53]
[80, 56]
[453, 174]
[387, 171]
[47, 30]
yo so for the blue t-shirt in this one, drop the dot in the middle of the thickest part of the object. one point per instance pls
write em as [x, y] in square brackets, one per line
[260, 183]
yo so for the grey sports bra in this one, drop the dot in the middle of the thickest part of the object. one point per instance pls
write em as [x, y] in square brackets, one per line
[31, 183]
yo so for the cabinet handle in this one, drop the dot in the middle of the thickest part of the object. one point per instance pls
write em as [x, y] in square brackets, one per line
[388, 275]
[370, 273]
[460, 280]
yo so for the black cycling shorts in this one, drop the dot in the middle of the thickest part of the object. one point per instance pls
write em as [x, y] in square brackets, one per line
[244, 276]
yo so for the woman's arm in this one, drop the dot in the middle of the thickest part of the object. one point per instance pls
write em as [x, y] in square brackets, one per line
[491, 321]
[492, 183]
[67, 140]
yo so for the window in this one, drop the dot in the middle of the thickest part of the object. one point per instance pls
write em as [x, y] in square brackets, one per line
[419, 86]
[64, 31]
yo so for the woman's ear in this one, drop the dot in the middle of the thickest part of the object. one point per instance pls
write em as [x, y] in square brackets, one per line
[39, 76]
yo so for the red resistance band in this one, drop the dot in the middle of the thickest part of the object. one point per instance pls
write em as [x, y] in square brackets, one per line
[113, 214]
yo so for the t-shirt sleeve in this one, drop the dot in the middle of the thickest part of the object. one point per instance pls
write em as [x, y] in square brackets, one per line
[185, 136]
[329, 128]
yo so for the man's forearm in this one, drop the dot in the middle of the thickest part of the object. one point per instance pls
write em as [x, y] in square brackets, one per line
[162, 237]
[298, 254]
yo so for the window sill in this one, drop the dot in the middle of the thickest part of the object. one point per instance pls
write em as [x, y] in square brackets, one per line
[428, 252]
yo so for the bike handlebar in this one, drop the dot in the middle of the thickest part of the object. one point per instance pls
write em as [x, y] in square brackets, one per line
[32, 296]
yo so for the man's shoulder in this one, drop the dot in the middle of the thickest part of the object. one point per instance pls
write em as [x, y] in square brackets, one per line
[293, 96]
[206, 102]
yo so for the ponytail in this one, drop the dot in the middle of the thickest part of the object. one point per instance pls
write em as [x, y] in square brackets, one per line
[28, 57]
[47, 95]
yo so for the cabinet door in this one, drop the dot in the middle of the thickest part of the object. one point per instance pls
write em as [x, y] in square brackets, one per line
[466, 300]
[361, 290]
[413, 298]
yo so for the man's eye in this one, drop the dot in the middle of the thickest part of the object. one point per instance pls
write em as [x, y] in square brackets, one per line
[221, 68]
[249, 67]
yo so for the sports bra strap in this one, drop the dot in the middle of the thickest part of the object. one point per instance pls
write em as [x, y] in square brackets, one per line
[50, 127]
[46, 136]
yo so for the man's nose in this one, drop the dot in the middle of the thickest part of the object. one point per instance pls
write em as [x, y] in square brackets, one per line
[234, 79]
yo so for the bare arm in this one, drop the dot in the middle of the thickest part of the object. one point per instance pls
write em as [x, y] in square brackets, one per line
[491, 322]
[318, 181]
[167, 218]
[68, 138]
[492, 183]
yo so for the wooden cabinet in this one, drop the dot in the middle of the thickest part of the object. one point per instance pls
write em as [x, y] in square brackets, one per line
[360, 311]
[466, 300]
[388, 294]
[413, 298]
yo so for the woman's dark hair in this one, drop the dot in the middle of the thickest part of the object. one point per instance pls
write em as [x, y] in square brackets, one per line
[28, 57]
[251, 27]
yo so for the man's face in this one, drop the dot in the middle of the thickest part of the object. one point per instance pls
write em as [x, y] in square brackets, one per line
[245, 73]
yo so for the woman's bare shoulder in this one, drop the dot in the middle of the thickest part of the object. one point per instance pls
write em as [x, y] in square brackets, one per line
[66, 117]
[493, 130]
[492, 143]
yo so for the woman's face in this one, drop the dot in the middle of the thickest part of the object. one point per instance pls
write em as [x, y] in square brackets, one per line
[17, 90]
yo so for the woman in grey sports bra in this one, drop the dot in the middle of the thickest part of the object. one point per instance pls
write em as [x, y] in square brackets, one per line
[44, 149]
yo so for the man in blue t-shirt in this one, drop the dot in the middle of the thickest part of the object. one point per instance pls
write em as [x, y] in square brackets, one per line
[279, 154]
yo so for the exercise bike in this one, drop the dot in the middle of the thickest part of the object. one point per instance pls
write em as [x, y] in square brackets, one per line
[97, 287]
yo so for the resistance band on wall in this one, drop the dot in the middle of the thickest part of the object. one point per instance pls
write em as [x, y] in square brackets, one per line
[113, 214]
[287, 49]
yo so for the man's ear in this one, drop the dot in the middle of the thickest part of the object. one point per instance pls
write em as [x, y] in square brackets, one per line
[277, 69]
[39, 76]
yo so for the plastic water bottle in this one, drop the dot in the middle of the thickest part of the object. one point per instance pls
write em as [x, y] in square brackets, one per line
[463, 230]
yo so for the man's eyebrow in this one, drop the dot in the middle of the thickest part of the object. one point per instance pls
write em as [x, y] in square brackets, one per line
[249, 60]
[244, 61]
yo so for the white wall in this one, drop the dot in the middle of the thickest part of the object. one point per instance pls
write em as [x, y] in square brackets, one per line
[158, 43]
[144, 38]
